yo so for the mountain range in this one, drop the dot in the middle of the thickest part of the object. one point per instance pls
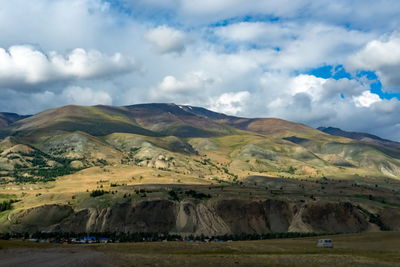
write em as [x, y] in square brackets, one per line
[364, 137]
[200, 170]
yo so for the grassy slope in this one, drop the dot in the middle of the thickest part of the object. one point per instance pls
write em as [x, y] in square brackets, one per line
[273, 155]
[92, 120]
[165, 119]
[146, 120]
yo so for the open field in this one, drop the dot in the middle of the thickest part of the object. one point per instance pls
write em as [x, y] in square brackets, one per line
[367, 249]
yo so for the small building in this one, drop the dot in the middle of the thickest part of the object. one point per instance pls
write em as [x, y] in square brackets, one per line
[88, 240]
[104, 240]
[74, 240]
[325, 243]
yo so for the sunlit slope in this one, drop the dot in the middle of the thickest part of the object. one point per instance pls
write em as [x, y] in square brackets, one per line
[153, 134]
[92, 120]
[293, 156]
[171, 119]
[148, 119]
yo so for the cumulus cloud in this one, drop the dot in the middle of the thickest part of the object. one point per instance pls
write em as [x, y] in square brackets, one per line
[318, 43]
[192, 81]
[339, 12]
[314, 101]
[170, 88]
[366, 99]
[165, 39]
[85, 96]
[325, 89]
[266, 34]
[230, 103]
[383, 57]
[24, 66]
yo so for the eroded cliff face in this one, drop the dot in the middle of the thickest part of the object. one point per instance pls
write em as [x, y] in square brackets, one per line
[213, 217]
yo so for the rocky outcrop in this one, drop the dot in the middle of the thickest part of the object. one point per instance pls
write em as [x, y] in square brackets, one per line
[146, 216]
[334, 217]
[255, 217]
[212, 217]
[199, 219]
[390, 218]
[39, 218]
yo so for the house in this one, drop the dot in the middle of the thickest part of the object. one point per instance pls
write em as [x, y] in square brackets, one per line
[325, 243]
[88, 240]
[104, 240]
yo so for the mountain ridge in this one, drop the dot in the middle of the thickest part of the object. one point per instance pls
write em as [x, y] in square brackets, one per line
[365, 137]
[66, 130]
[243, 123]
[7, 118]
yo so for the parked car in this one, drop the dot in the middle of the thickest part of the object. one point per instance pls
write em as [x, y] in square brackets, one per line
[325, 243]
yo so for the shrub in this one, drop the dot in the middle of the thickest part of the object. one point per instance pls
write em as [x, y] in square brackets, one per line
[97, 193]
[174, 195]
[197, 195]
[7, 204]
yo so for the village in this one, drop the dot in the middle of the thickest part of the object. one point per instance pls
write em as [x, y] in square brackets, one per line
[106, 238]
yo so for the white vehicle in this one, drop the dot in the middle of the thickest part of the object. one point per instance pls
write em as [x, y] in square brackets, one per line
[325, 243]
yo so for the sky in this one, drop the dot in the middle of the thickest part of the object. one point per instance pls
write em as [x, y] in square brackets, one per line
[321, 63]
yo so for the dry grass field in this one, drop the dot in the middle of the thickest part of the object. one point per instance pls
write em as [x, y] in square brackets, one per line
[367, 249]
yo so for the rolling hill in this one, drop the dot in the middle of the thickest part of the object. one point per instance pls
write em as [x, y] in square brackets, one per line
[147, 119]
[184, 169]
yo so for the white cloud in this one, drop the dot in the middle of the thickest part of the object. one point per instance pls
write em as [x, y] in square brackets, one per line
[307, 84]
[57, 25]
[172, 89]
[366, 99]
[192, 81]
[339, 12]
[230, 103]
[256, 32]
[315, 101]
[165, 39]
[319, 44]
[382, 56]
[211, 10]
[324, 89]
[85, 96]
[24, 66]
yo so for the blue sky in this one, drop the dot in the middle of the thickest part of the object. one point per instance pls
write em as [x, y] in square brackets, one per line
[322, 63]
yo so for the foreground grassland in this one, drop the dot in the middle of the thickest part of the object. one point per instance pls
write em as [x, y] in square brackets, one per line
[367, 249]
